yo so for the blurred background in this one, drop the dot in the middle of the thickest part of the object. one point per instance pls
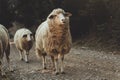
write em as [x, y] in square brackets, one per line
[94, 22]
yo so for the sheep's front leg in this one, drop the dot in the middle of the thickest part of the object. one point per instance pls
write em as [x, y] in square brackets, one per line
[53, 62]
[62, 63]
[44, 61]
[21, 55]
[26, 56]
[56, 66]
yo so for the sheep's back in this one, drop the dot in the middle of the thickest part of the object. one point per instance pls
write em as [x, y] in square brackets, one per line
[41, 35]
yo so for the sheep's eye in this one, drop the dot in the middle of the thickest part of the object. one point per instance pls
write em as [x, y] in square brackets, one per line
[24, 36]
[31, 34]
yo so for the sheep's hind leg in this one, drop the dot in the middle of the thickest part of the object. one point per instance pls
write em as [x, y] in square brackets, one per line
[1, 60]
[7, 52]
[9, 66]
[1, 67]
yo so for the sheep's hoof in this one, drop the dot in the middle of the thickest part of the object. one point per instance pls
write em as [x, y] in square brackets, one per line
[27, 61]
[44, 68]
[56, 73]
[21, 59]
[63, 72]
[3, 75]
[54, 69]
[11, 69]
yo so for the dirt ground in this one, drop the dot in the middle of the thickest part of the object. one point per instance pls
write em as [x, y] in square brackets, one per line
[81, 63]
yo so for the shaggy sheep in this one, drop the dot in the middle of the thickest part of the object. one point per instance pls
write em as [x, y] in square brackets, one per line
[53, 38]
[23, 40]
[4, 47]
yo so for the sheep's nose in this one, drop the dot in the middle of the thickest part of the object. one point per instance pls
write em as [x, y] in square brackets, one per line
[28, 38]
[63, 20]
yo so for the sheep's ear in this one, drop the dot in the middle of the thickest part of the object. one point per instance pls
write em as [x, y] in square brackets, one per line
[68, 14]
[51, 16]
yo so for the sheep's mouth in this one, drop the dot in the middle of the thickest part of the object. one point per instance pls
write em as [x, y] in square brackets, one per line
[63, 22]
[29, 41]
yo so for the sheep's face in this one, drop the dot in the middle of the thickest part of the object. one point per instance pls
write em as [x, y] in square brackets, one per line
[28, 37]
[60, 17]
[27, 41]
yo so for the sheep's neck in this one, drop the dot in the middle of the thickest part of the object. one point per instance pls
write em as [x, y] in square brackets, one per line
[58, 33]
[57, 38]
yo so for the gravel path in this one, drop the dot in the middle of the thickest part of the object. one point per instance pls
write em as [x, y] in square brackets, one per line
[80, 64]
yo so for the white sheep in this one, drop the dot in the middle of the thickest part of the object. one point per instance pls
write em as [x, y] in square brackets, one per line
[4, 47]
[23, 40]
[53, 38]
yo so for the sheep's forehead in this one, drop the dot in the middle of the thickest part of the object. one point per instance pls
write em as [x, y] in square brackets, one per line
[25, 32]
[58, 11]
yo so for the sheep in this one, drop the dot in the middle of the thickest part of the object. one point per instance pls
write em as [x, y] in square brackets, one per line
[53, 38]
[23, 40]
[4, 48]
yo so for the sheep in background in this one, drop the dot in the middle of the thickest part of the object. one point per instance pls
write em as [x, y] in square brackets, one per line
[53, 38]
[23, 40]
[4, 47]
